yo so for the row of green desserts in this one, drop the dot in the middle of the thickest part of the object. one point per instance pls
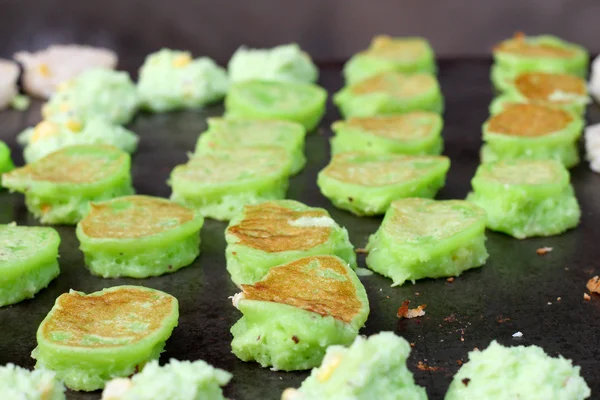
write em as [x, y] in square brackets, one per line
[373, 367]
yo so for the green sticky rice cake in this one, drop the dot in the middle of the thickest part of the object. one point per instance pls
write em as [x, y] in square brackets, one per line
[172, 79]
[95, 93]
[228, 133]
[526, 198]
[286, 63]
[367, 183]
[219, 184]
[303, 103]
[519, 372]
[48, 136]
[544, 53]
[28, 261]
[390, 93]
[407, 55]
[178, 380]
[422, 238]
[373, 368]
[139, 236]
[17, 383]
[6, 163]
[550, 89]
[276, 232]
[90, 339]
[534, 132]
[59, 187]
[415, 133]
[296, 311]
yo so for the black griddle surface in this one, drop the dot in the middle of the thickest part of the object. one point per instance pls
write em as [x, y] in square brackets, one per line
[517, 290]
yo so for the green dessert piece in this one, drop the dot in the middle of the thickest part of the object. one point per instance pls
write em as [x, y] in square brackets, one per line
[296, 311]
[59, 187]
[519, 372]
[526, 198]
[534, 132]
[303, 103]
[6, 164]
[408, 55]
[17, 383]
[28, 261]
[48, 136]
[95, 93]
[90, 339]
[390, 93]
[286, 63]
[220, 184]
[276, 232]
[550, 89]
[178, 380]
[422, 238]
[171, 79]
[544, 53]
[228, 133]
[373, 368]
[138, 237]
[414, 133]
[367, 183]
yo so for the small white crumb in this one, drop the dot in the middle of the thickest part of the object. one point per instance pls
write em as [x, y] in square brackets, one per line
[592, 146]
[363, 272]
[549, 303]
[235, 299]
[313, 222]
[558, 299]
[544, 250]
[517, 334]
[380, 289]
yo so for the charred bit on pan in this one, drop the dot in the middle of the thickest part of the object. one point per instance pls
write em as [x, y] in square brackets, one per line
[466, 381]
[295, 339]
[405, 312]
[544, 250]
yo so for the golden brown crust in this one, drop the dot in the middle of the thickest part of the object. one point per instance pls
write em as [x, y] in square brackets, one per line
[115, 318]
[529, 120]
[540, 86]
[593, 285]
[414, 125]
[134, 217]
[395, 84]
[520, 46]
[69, 166]
[406, 49]
[267, 227]
[317, 284]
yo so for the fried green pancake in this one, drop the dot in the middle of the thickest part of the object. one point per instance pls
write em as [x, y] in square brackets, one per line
[49, 136]
[17, 383]
[139, 236]
[373, 368]
[28, 261]
[296, 311]
[422, 238]
[228, 133]
[550, 89]
[172, 79]
[220, 184]
[59, 187]
[303, 103]
[390, 93]
[518, 372]
[285, 63]
[526, 198]
[94, 93]
[408, 55]
[178, 380]
[413, 133]
[88, 340]
[532, 131]
[276, 232]
[6, 163]
[543, 53]
[366, 183]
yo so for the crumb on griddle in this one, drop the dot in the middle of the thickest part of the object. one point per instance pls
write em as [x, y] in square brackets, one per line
[544, 250]
[593, 284]
[405, 312]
